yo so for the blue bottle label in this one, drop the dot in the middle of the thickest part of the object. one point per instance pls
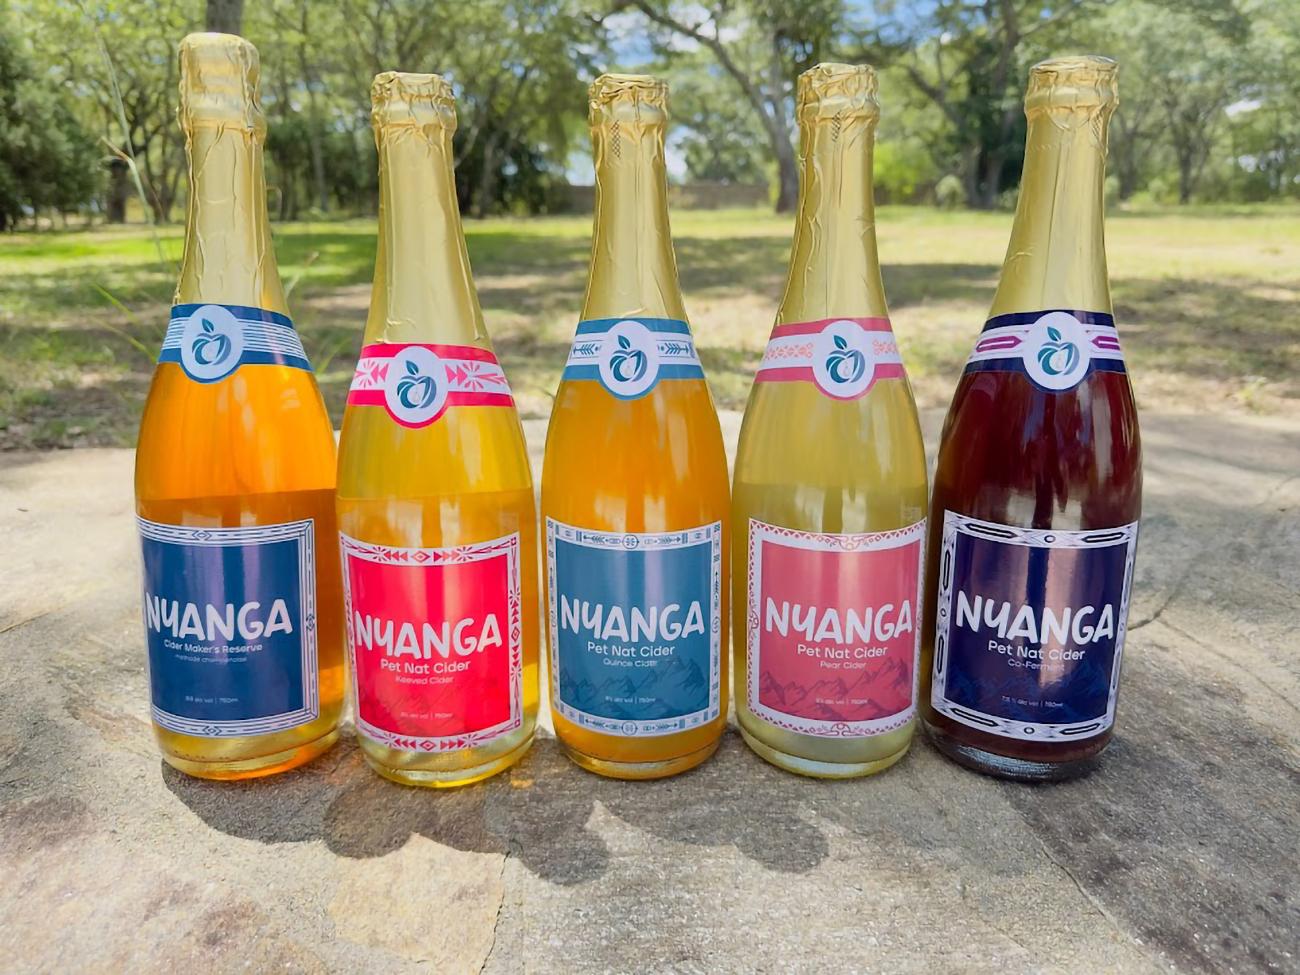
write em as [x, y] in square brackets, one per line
[1054, 350]
[211, 341]
[230, 625]
[1029, 627]
[636, 628]
[628, 356]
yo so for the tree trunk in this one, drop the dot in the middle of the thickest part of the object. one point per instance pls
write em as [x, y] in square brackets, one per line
[787, 176]
[225, 16]
[486, 195]
[119, 190]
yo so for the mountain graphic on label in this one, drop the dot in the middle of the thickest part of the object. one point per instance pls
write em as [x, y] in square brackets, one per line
[878, 692]
[416, 391]
[627, 364]
[845, 365]
[1058, 357]
[211, 347]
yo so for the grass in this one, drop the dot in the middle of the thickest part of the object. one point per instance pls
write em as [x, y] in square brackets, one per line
[1208, 302]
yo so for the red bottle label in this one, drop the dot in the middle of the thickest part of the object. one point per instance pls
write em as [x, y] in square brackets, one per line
[843, 357]
[833, 629]
[416, 382]
[435, 637]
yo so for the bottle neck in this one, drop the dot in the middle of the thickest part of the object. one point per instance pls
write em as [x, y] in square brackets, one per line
[424, 288]
[1057, 255]
[633, 270]
[834, 264]
[229, 255]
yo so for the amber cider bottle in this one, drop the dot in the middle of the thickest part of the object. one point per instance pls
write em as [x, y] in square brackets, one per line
[234, 479]
[634, 487]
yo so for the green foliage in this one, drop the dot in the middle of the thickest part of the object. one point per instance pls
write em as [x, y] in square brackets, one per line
[949, 193]
[904, 171]
[47, 160]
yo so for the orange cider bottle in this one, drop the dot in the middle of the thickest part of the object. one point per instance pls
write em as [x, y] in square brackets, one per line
[234, 477]
[436, 509]
[634, 489]
[830, 485]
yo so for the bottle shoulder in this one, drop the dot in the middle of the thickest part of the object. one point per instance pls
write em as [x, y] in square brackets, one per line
[1016, 454]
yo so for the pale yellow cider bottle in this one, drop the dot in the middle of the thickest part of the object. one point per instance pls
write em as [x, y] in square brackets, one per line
[435, 500]
[634, 488]
[830, 481]
[234, 477]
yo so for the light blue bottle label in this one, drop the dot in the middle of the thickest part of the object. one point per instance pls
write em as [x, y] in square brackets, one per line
[211, 341]
[628, 356]
[636, 628]
[230, 624]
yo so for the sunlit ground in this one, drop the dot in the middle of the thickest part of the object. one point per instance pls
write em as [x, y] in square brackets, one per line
[1207, 300]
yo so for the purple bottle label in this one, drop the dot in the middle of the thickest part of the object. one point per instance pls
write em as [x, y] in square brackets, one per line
[230, 626]
[1029, 627]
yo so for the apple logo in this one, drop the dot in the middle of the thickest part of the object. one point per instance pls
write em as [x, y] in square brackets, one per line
[211, 343]
[845, 365]
[416, 391]
[211, 347]
[1058, 357]
[628, 364]
[629, 360]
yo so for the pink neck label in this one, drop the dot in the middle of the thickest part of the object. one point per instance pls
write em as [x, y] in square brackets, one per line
[417, 382]
[832, 627]
[843, 357]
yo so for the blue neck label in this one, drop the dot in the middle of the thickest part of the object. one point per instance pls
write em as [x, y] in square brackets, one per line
[230, 626]
[628, 356]
[211, 341]
[1029, 627]
[636, 628]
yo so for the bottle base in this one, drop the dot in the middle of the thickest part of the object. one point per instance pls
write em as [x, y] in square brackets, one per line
[820, 770]
[1016, 769]
[252, 768]
[449, 778]
[640, 770]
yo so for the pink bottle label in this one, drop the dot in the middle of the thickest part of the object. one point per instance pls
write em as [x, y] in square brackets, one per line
[833, 629]
[436, 642]
[844, 357]
[416, 382]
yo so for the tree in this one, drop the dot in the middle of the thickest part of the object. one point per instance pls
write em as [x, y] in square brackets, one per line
[762, 49]
[971, 60]
[117, 59]
[47, 160]
[225, 16]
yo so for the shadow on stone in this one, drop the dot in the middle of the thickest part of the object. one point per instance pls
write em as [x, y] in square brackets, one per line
[539, 812]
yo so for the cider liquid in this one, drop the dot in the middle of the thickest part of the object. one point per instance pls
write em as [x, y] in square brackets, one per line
[480, 463]
[655, 464]
[863, 471]
[1018, 455]
[253, 449]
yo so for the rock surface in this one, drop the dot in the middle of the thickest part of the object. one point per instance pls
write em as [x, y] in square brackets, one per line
[1181, 853]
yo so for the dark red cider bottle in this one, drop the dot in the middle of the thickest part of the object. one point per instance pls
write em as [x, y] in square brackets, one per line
[1033, 522]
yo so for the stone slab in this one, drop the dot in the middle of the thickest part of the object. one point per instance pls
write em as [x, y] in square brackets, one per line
[1181, 854]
